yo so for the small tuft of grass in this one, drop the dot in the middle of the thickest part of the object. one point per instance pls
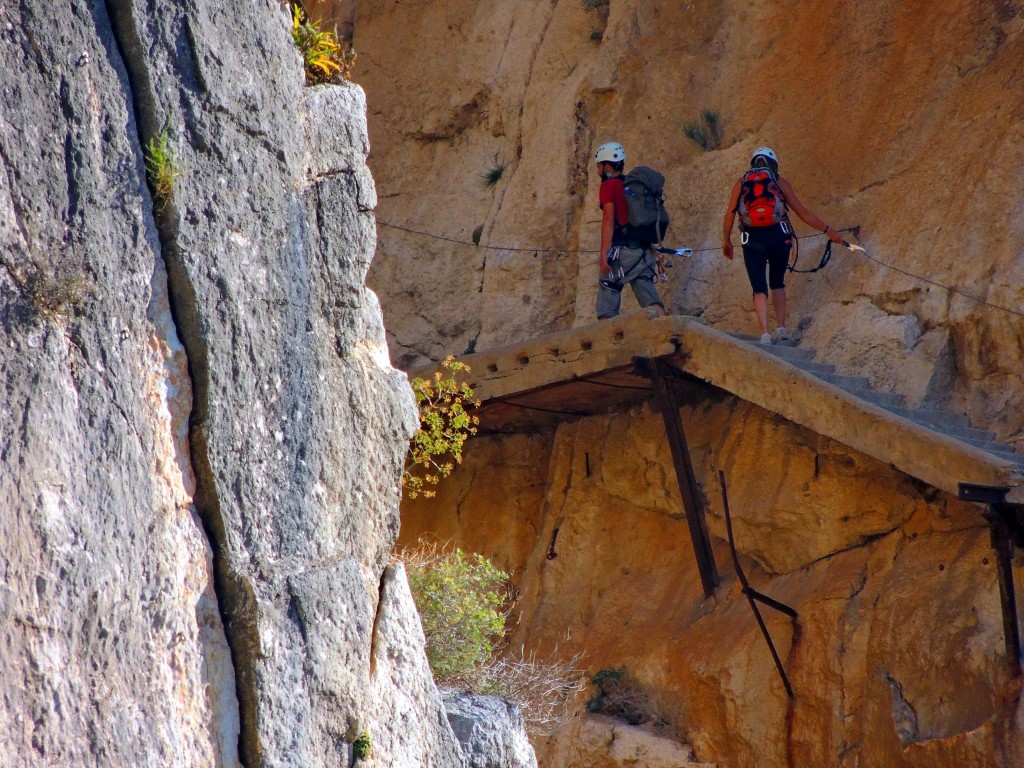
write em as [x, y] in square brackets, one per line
[618, 695]
[491, 177]
[707, 132]
[363, 746]
[322, 55]
[161, 168]
[477, 234]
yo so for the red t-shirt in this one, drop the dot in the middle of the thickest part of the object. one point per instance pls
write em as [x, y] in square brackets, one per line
[612, 191]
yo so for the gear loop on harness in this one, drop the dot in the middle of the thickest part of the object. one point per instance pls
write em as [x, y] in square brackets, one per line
[825, 258]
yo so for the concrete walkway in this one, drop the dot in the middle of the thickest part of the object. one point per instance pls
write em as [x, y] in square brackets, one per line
[589, 369]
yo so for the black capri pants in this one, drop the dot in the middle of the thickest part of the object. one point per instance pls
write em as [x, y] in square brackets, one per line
[767, 247]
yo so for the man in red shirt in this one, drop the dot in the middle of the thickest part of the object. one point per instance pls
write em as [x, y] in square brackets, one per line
[624, 259]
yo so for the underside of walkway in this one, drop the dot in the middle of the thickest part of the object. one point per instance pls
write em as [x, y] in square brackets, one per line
[606, 366]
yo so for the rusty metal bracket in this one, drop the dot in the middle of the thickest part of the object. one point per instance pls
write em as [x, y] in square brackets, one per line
[753, 595]
[1005, 525]
[692, 501]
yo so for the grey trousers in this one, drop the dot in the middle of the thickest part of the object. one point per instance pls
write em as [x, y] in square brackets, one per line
[630, 266]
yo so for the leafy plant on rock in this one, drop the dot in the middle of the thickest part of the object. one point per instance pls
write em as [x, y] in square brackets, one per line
[445, 424]
[363, 746]
[460, 598]
[322, 55]
[463, 601]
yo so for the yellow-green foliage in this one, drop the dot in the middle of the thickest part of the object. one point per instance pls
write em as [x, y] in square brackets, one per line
[363, 746]
[322, 56]
[463, 600]
[444, 426]
[161, 167]
[460, 598]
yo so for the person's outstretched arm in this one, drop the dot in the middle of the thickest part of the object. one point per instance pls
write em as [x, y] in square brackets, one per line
[607, 230]
[730, 217]
[801, 210]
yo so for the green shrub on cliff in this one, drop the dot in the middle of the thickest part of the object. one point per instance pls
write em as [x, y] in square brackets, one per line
[362, 747]
[161, 167]
[463, 601]
[460, 598]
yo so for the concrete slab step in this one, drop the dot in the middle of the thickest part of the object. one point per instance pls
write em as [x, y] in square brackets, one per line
[956, 426]
[818, 369]
[874, 397]
[844, 381]
[961, 433]
[998, 449]
[785, 349]
[929, 417]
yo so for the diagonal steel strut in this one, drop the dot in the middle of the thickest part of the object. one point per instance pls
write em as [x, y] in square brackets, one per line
[692, 503]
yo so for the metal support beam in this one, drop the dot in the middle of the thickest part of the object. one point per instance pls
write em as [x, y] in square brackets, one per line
[1004, 524]
[752, 594]
[692, 502]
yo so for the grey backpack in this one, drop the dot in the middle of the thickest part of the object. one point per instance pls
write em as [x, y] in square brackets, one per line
[648, 219]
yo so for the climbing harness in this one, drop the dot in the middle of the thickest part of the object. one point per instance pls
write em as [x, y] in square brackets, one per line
[665, 264]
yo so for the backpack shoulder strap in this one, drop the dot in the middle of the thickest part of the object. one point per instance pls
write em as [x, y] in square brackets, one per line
[649, 178]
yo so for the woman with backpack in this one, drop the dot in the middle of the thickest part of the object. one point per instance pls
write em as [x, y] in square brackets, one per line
[762, 198]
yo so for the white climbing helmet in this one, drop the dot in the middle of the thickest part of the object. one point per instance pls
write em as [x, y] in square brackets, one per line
[764, 152]
[610, 152]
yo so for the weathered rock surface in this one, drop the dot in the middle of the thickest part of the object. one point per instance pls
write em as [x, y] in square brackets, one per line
[114, 649]
[201, 449]
[401, 682]
[490, 730]
[864, 103]
[595, 741]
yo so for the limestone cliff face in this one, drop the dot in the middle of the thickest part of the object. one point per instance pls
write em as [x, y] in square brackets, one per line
[901, 118]
[201, 435]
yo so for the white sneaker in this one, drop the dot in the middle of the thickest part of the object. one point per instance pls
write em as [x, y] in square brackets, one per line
[766, 339]
[781, 333]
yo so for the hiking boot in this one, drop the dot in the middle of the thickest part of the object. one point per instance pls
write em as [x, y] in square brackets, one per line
[766, 339]
[781, 333]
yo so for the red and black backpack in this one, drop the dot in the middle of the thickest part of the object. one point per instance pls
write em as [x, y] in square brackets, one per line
[761, 202]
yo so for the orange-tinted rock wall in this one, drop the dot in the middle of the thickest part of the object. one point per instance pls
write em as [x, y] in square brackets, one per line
[902, 118]
[898, 658]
